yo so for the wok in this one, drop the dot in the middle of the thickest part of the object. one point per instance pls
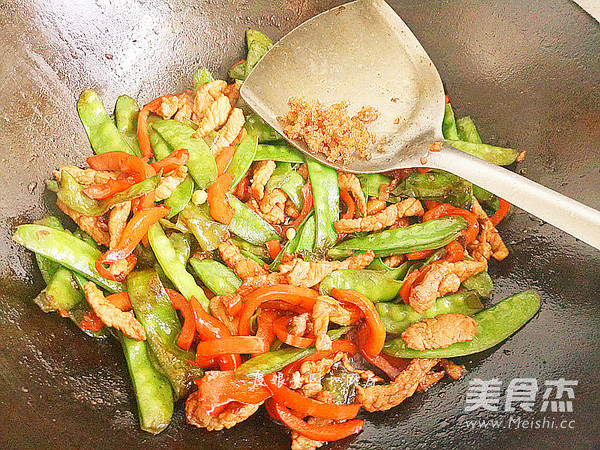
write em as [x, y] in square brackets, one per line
[527, 72]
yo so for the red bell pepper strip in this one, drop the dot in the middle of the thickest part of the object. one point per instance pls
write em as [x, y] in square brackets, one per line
[209, 327]
[285, 396]
[333, 432]
[232, 344]
[119, 161]
[274, 248]
[419, 255]
[350, 206]
[294, 295]
[380, 361]
[146, 200]
[500, 213]
[173, 161]
[142, 127]
[188, 330]
[135, 229]
[218, 204]
[216, 389]
[282, 305]
[264, 328]
[376, 340]
[108, 189]
[455, 252]
[280, 328]
[223, 158]
[91, 321]
[445, 209]
[103, 271]
[120, 300]
[408, 282]
[306, 209]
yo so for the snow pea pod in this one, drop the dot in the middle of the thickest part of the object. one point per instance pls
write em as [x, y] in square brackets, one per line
[70, 192]
[258, 45]
[494, 325]
[270, 362]
[497, 155]
[201, 164]
[395, 273]
[398, 316]
[467, 131]
[201, 76]
[65, 249]
[259, 251]
[153, 308]
[219, 278]
[61, 293]
[173, 268]
[48, 267]
[256, 127]
[281, 153]
[250, 226]
[480, 283]
[341, 384]
[160, 147]
[238, 71]
[101, 130]
[440, 186]
[449, 129]
[182, 244]
[307, 235]
[376, 286]
[284, 177]
[414, 238]
[371, 182]
[291, 246]
[153, 391]
[180, 197]
[242, 158]
[326, 199]
[126, 114]
[207, 232]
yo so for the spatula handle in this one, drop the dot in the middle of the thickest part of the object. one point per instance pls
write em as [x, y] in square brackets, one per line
[573, 217]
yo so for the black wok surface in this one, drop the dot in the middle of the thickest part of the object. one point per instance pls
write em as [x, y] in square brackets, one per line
[527, 72]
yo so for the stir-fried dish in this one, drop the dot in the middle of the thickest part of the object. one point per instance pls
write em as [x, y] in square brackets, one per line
[237, 272]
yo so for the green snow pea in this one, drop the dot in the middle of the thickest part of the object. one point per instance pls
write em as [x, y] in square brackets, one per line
[371, 182]
[398, 316]
[101, 130]
[180, 197]
[207, 232]
[238, 71]
[376, 286]
[48, 267]
[258, 45]
[494, 325]
[153, 391]
[467, 131]
[259, 251]
[449, 129]
[270, 362]
[242, 158]
[326, 200]
[306, 242]
[440, 186]
[201, 76]
[65, 249]
[341, 383]
[395, 273]
[201, 164]
[428, 235]
[153, 308]
[256, 127]
[126, 115]
[160, 147]
[497, 155]
[480, 283]
[250, 226]
[173, 268]
[61, 293]
[281, 153]
[182, 244]
[219, 278]
[284, 177]
[291, 245]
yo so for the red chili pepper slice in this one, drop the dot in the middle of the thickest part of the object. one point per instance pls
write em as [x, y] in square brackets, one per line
[188, 330]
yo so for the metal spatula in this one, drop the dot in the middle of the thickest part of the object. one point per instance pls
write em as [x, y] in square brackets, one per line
[363, 53]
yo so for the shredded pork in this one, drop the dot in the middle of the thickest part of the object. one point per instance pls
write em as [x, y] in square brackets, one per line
[389, 216]
[440, 332]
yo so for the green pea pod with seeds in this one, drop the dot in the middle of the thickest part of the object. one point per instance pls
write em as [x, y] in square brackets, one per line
[238, 71]
[201, 76]
[153, 392]
[180, 197]
[395, 273]
[182, 244]
[480, 283]
[65, 249]
[256, 127]
[201, 163]
[173, 268]
[467, 131]
[61, 293]
[429, 235]
[494, 325]
[126, 115]
[160, 147]
[398, 316]
[291, 246]
[250, 226]
[284, 177]
[326, 200]
[497, 155]
[48, 267]
[270, 362]
[207, 232]
[101, 130]
[281, 153]
[242, 158]
[341, 384]
[258, 45]
[308, 234]
[371, 182]
[449, 129]
[440, 186]
[376, 286]
[153, 308]
[219, 278]
[259, 251]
